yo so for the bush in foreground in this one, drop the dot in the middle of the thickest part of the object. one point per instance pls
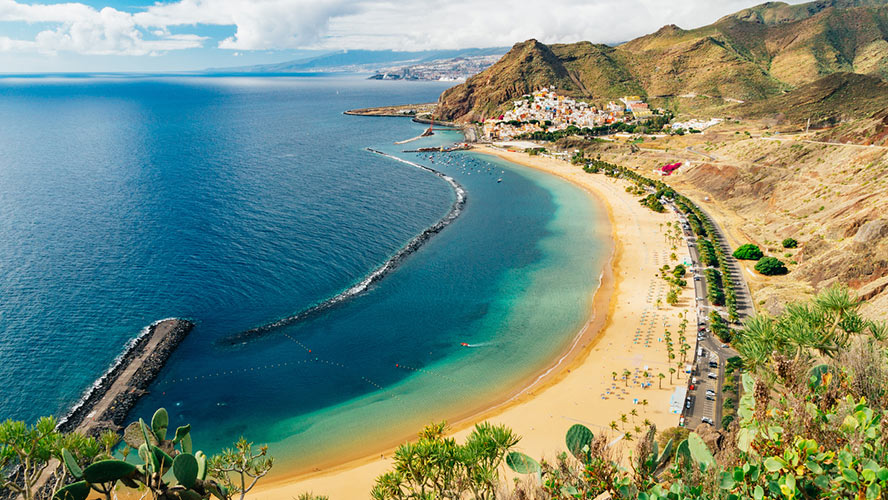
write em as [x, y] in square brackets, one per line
[770, 266]
[790, 243]
[166, 468]
[809, 424]
[748, 252]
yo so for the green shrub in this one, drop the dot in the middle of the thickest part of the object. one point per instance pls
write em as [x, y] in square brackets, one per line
[770, 266]
[790, 243]
[679, 271]
[748, 252]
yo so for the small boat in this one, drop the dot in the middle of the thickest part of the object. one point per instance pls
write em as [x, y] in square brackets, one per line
[464, 344]
[499, 180]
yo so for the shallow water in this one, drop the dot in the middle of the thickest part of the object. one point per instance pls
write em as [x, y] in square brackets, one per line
[235, 202]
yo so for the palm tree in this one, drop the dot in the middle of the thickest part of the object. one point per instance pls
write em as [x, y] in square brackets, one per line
[661, 379]
[623, 418]
[644, 402]
[647, 423]
[614, 375]
[671, 372]
[626, 374]
[634, 414]
[613, 425]
[628, 436]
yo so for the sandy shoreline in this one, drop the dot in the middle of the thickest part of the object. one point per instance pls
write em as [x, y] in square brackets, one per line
[627, 337]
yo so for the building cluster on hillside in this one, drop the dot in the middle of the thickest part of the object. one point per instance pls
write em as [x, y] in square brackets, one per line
[546, 110]
[638, 108]
[696, 124]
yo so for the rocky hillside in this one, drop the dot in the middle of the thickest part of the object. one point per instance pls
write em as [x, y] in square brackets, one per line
[751, 55]
[831, 198]
[831, 100]
[764, 188]
[580, 69]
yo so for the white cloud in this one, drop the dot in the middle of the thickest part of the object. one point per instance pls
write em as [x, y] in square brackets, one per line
[371, 24]
[85, 30]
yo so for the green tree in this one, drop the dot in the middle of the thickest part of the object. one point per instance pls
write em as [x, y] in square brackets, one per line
[235, 467]
[672, 297]
[790, 243]
[438, 467]
[748, 252]
[770, 266]
[28, 448]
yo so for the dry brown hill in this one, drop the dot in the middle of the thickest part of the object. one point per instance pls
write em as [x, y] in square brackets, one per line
[833, 99]
[752, 55]
[580, 69]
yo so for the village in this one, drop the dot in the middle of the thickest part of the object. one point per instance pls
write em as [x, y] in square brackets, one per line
[545, 110]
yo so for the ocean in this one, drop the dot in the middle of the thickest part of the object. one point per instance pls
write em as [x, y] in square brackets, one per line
[236, 202]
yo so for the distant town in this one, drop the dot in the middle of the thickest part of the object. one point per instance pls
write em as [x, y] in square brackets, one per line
[451, 70]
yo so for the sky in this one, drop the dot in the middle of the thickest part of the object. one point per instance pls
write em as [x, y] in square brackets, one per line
[181, 35]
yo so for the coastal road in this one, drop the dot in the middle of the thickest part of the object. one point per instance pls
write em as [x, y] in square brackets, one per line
[708, 349]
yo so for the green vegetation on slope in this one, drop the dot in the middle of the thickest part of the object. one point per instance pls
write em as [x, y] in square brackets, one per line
[809, 420]
[85, 466]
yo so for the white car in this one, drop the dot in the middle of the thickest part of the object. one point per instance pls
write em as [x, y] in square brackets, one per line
[713, 376]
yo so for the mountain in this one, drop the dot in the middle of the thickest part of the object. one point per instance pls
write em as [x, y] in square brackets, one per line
[752, 55]
[360, 60]
[833, 99]
[580, 69]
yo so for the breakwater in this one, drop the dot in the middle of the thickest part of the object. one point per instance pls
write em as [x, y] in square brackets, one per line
[107, 403]
[379, 273]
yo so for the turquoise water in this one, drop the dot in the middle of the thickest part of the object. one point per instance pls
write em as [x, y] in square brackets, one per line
[235, 202]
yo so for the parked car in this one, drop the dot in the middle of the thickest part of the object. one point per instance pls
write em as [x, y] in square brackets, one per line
[710, 392]
[713, 376]
[706, 420]
[696, 278]
[710, 397]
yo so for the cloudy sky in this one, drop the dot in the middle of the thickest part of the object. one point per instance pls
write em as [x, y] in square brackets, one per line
[140, 35]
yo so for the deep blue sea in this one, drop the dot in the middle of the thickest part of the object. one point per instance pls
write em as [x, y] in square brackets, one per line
[235, 202]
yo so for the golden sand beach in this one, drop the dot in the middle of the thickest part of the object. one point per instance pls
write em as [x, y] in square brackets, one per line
[626, 333]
